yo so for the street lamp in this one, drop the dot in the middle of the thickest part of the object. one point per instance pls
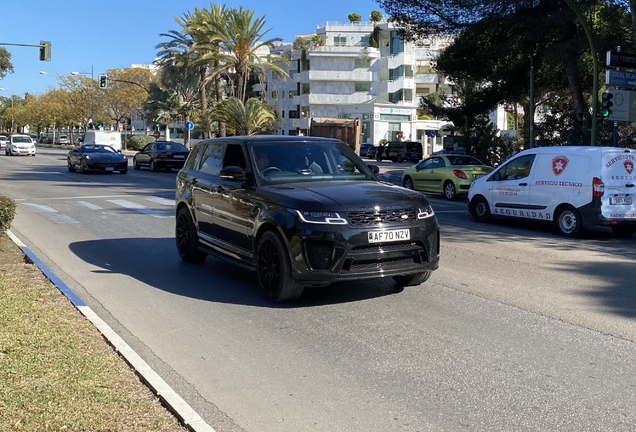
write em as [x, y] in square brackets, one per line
[92, 90]
[54, 77]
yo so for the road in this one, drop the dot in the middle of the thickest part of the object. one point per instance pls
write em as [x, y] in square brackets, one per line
[518, 330]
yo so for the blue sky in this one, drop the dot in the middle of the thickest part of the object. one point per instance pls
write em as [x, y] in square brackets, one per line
[115, 34]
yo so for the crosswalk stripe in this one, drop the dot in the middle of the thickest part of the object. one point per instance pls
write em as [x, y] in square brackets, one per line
[140, 208]
[162, 201]
[86, 204]
[51, 213]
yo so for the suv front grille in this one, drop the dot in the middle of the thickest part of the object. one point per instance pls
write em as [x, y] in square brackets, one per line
[319, 255]
[372, 217]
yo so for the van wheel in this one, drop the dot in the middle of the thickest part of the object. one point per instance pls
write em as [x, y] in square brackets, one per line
[623, 231]
[412, 280]
[273, 269]
[449, 190]
[187, 238]
[568, 222]
[479, 209]
[408, 183]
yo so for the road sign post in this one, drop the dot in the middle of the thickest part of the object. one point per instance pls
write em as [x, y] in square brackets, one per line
[157, 134]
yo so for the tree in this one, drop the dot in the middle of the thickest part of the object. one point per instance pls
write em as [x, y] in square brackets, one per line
[354, 17]
[250, 118]
[376, 16]
[127, 92]
[5, 63]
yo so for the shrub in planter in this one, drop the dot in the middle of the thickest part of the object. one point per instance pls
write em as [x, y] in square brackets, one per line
[7, 212]
[137, 142]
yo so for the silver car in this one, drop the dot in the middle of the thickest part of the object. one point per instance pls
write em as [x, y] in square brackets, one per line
[63, 139]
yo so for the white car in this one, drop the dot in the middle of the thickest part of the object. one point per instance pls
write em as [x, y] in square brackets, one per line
[3, 141]
[20, 145]
[63, 139]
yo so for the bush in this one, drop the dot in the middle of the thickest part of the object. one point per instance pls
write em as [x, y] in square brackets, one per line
[7, 212]
[136, 142]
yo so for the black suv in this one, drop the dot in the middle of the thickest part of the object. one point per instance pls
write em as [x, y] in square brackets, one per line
[302, 212]
[400, 151]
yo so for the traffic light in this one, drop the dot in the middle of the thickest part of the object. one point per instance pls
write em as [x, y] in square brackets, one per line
[103, 81]
[45, 51]
[606, 104]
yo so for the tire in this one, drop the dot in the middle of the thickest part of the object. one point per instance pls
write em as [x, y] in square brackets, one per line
[623, 231]
[568, 222]
[378, 159]
[33, 155]
[408, 183]
[479, 209]
[69, 165]
[412, 280]
[399, 159]
[153, 167]
[273, 269]
[450, 193]
[81, 169]
[124, 171]
[136, 164]
[187, 238]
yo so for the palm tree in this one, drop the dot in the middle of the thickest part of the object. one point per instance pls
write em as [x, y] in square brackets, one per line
[242, 39]
[250, 118]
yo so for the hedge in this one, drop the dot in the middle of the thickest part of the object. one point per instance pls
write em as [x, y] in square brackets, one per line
[7, 212]
[136, 142]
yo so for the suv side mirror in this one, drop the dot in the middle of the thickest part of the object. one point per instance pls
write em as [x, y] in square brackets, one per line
[374, 168]
[233, 173]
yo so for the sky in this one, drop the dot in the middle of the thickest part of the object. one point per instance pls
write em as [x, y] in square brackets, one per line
[93, 36]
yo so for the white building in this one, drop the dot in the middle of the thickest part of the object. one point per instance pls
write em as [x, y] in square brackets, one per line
[346, 78]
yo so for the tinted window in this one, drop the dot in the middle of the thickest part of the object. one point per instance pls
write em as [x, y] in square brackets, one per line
[98, 149]
[515, 169]
[194, 155]
[463, 160]
[170, 146]
[211, 158]
[234, 156]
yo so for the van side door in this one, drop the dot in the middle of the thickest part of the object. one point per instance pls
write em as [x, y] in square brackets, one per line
[509, 188]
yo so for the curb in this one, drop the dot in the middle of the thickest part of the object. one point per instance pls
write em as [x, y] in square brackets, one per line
[175, 404]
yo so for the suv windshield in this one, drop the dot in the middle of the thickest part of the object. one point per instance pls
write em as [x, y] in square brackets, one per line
[283, 162]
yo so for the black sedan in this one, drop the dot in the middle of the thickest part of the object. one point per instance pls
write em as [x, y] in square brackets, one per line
[95, 157]
[161, 155]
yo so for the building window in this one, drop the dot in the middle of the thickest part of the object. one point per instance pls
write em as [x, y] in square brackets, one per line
[364, 41]
[293, 114]
[362, 64]
[292, 93]
[304, 111]
[340, 41]
[283, 94]
[274, 94]
[306, 88]
[363, 87]
[282, 114]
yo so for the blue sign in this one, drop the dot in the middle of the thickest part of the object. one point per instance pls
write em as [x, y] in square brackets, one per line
[189, 125]
[620, 78]
[431, 134]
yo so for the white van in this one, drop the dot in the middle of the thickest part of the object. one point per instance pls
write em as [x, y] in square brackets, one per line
[573, 187]
[112, 139]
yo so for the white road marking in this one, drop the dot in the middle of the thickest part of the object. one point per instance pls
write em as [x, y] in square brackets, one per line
[86, 204]
[162, 201]
[51, 213]
[141, 209]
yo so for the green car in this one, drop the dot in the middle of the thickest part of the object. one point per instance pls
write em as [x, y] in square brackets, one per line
[450, 175]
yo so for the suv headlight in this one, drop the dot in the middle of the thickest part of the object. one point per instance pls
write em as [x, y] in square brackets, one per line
[425, 212]
[328, 218]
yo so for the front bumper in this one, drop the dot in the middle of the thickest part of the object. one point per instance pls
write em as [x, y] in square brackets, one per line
[106, 166]
[326, 255]
[24, 151]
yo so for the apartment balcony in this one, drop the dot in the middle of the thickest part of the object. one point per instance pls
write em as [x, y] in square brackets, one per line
[338, 99]
[301, 123]
[357, 75]
[394, 61]
[391, 86]
[344, 51]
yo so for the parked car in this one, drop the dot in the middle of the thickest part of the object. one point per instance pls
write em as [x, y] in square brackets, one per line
[573, 187]
[161, 155]
[46, 140]
[96, 157]
[364, 148]
[371, 153]
[400, 151]
[450, 175]
[34, 138]
[3, 142]
[63, 139]
[19, 145]
[303, 212]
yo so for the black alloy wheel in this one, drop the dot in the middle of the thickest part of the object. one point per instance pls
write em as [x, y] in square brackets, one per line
[187, 238]
[69, 165]
[136, 164]
[153, 167]
[273, 269]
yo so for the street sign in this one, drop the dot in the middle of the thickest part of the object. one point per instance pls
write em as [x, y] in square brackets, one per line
[189, 125]
[157, 134]
[623, 105]
[620, 78]
[432, 134]
[620, 59]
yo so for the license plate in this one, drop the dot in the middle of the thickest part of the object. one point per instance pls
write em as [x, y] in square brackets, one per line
[389, 236]
[620, 200]
[109, 169]
[179, 157]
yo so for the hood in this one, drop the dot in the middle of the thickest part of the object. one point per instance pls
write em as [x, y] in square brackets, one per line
[344, 196]
[106, 157]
